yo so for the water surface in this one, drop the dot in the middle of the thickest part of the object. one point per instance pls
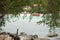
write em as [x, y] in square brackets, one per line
[29, 27]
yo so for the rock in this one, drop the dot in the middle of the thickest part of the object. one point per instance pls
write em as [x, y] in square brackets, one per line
[44, 39]
[23, 34]
[25, 38]
[6, 36]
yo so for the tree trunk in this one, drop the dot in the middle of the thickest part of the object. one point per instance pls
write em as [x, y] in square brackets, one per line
[52, 32]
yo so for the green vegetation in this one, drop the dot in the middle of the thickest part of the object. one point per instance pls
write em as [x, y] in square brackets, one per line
[52, 20]
[15, 6]
[49, 8]
[2, 22]
[51, 16]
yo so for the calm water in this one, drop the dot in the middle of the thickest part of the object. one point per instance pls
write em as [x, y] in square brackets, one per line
[28, 27]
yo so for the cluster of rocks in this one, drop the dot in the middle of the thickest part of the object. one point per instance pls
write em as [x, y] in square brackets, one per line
[22, 36]
[8, 36]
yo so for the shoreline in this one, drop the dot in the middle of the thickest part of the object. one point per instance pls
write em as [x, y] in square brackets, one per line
[42, 38]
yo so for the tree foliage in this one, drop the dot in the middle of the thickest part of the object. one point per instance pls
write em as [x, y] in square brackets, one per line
[52, 20]
[53, 6]
[45, 6]
[15, 6]
[52, 16]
